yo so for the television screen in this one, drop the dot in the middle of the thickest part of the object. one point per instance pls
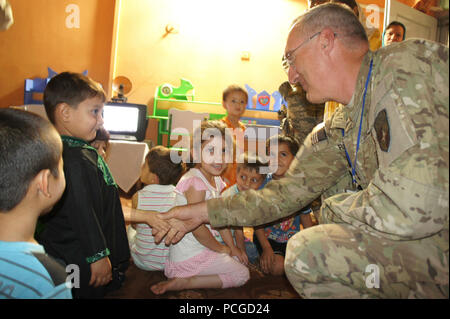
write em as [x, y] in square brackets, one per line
[125, 120]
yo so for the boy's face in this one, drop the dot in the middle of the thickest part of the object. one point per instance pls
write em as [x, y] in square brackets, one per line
[284, 158]
[235, 104]
[248, 178]
[86, 118]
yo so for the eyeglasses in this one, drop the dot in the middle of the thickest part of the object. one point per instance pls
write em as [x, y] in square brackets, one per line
[289, 58]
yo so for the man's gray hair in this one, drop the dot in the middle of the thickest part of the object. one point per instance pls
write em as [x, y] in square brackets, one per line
[336, 16]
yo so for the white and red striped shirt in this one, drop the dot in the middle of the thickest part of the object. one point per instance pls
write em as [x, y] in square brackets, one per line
[146, 254]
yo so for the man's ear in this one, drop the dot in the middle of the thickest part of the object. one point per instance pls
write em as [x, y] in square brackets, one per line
[64, 111]
[326, 40]
[42, 182]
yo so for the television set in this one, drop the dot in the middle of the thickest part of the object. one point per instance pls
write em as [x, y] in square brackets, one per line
[125, 121]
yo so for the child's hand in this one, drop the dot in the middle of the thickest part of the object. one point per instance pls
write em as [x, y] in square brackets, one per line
[243, 258]
[101, 273]
[234, 251]
[240, 255]
[225, 250]
[267, 260]
[159, 226]
[173, 223]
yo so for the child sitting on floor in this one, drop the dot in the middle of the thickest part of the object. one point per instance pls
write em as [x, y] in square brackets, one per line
[199, 260]
[271, 240]
[250, 174]
[32, 181]
[160, 174]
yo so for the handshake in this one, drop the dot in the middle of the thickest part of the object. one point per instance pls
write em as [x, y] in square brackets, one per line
[170, 226]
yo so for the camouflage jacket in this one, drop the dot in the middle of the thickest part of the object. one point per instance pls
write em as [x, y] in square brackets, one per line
[402, 164]
[301, 115]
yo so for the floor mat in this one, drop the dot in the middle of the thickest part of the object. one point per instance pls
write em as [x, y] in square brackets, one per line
[260, 286]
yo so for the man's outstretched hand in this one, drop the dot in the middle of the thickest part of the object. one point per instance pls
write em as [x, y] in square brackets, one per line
[182, 219]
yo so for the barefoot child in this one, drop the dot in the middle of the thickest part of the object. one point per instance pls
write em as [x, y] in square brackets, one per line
[199, 260]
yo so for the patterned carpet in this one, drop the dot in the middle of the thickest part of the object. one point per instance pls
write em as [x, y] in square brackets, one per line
[260, 286]
[137, 283]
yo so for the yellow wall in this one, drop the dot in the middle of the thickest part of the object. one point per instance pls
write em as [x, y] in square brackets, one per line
[207, 49]
[39, 38]
[374, 11]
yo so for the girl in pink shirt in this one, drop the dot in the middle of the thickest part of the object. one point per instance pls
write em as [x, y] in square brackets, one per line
[199, 260]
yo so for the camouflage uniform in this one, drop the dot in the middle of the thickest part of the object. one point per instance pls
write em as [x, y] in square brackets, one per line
[302, 116]
[398, 221]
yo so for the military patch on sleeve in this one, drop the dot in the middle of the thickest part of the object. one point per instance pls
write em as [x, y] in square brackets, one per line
[319, 135]
[381, 126]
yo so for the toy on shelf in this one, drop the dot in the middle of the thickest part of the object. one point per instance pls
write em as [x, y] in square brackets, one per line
[251, 93]
[263, 100]
[168, 97]
[168, 91]
[182, 97]
[278, 101]
[34, 88]
[262, 108]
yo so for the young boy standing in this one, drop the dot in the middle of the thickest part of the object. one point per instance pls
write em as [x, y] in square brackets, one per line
[32, 181]
[86, 227]
[234, 101]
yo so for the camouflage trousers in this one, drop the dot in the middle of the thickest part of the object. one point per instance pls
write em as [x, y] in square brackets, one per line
[341, 261]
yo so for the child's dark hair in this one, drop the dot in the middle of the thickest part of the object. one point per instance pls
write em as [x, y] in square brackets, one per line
[159, 163]
[252, 162]
[211, 125]
[291, 142]
[71, 88]
[27, 146]
[233, 88]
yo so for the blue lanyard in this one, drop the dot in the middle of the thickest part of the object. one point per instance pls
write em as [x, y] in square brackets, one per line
[359, 131]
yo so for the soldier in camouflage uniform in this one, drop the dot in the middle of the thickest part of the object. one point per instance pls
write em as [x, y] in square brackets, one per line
[302, 116]
[387, 235]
